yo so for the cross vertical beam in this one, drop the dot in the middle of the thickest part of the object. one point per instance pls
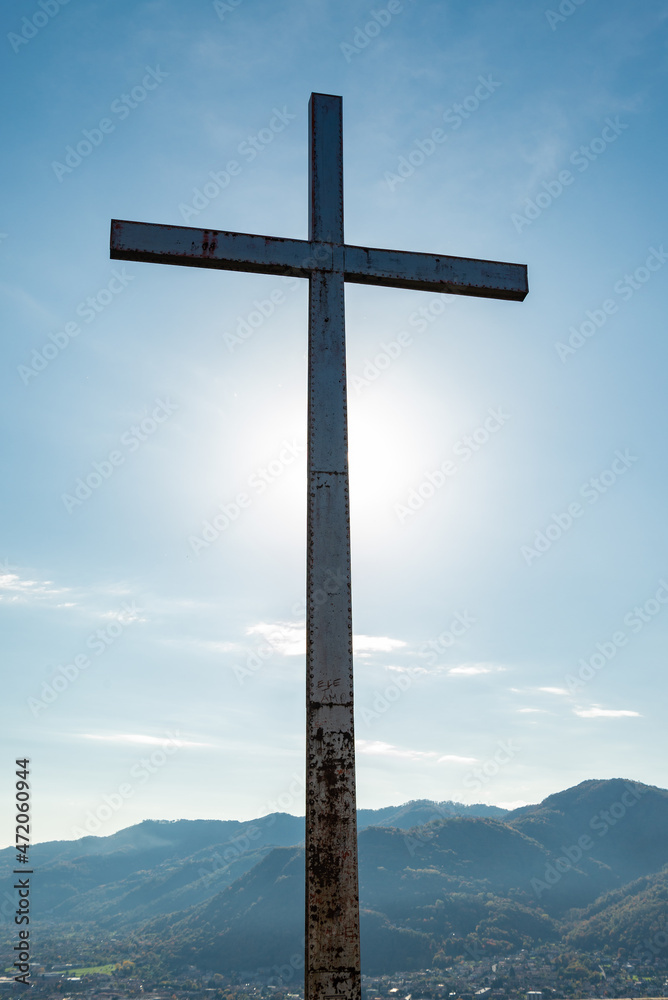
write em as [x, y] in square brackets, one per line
[332, 958]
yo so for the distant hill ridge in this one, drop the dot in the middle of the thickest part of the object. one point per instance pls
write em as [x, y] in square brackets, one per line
[194, 834]
[588, 865]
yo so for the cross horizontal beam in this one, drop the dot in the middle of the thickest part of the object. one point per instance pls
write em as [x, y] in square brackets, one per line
[159, 244]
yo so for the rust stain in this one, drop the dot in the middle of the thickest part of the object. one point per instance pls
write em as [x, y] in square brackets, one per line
[209, 242]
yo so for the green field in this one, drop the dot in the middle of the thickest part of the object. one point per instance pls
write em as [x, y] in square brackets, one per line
[91, 970]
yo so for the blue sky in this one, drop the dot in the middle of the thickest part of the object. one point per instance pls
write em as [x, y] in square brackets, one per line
[508, 460]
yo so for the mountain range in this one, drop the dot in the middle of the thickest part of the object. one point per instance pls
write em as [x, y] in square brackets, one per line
[587, 867]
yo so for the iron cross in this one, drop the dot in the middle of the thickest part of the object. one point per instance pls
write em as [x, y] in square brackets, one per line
[332, 963]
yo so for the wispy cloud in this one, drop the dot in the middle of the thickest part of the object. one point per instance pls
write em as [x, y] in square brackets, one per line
[474, 669]
[203, 645]
[462, 670]
[377, 748]
[409, 670]
[453, 758]
[17, 590]
[19, 586]
[540, 711]
[554, 690]
[604, 713]
[365, 644]
[289, 639]
[142, 740]
[127, 613]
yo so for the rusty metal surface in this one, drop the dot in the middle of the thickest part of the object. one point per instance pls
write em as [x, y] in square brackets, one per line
[436, 273]
[332, 967]
[332, 910]
[146, 241]
[158, 244]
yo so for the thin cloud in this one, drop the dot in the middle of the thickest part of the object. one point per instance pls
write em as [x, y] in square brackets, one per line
[205, 645]
[474, 669]
[143, 740]
[376, 748]
[409, 670]
[17, 587]
[541, 711]
[463, 670]
[289, 639]
[126, 614]
[551, 690]
[15, 590]
[453, 758]
[605, 713]
[365, 644]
